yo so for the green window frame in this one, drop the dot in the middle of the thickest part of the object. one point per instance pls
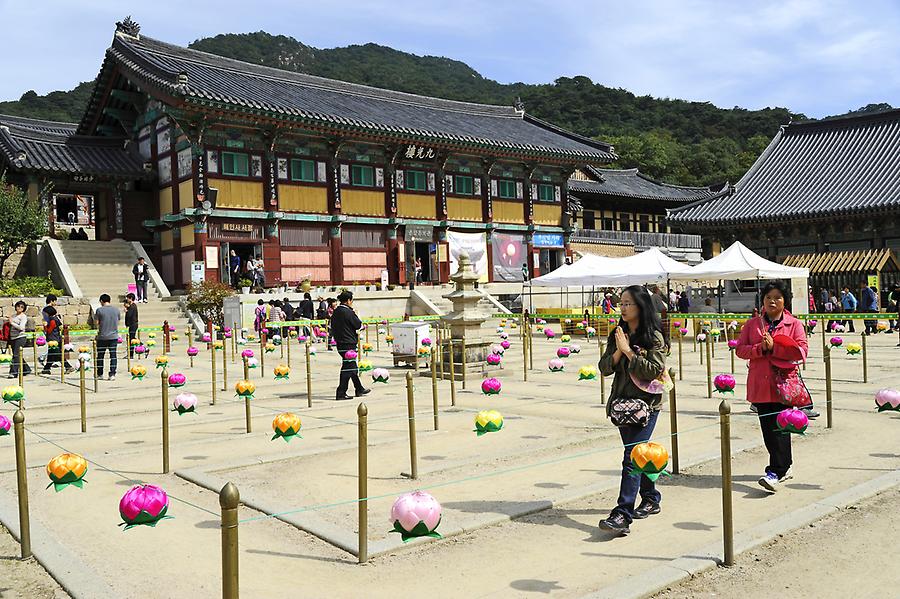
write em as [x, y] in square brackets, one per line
[415, 180]
[235, 164]
[303, 170]
[546, 193]
[506, 189]
[362, 175]
[462, 184]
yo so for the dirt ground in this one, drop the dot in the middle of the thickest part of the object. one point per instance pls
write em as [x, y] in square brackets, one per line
[842, 555]
[23, 579]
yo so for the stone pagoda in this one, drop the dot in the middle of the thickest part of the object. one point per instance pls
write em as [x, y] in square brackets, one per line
[466, 319]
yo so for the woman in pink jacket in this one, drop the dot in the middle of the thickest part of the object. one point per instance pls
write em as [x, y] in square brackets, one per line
[756, 344]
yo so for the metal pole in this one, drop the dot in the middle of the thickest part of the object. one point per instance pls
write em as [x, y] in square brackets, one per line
[213, 362]
[22, 484]
[452, 374]
[94, 360]
[81, 392]
[246, 369]
[165, 420]
[524, 356]
[247, 412]
[22, 367]
[234, 333]
[727, 514]
[362, 472]
[530, 348]
[828, 420]
[463, 340]
[308, 378]
[288, 343]
[224, 365]
[262, 350]
[709, 385]
[229, 498]
[167, 340]
[34, 356]
[411, 419]
[434, 389]
[680, 367]
[441, 351]
[602, 381]
[864, 356]
[696, 330]
[673, 426]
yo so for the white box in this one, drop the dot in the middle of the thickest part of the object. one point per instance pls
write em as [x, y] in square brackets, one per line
[408, 337]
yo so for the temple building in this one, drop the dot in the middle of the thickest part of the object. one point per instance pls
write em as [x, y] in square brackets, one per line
[823, 195]
[621, 211]
[198, 156]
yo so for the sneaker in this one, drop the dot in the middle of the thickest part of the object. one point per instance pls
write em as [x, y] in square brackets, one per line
[343, 397]
[647, 508]
[787, 475]
[616, 523]
[810, 413]
[112, 377]
[362, 392]
[769, 482]
[754, 409]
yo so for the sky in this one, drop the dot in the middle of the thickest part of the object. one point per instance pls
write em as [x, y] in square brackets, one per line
[818, 58]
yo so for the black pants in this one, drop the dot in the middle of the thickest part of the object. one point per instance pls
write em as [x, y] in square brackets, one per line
[132, 334]
[141, 287]
[871, 326]
[104, 345]
[777, 443]
[18, 345]
[849, 322]
[349, 372]
[55, 354]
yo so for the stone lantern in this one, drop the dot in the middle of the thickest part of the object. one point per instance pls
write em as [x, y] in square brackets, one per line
[466, 319]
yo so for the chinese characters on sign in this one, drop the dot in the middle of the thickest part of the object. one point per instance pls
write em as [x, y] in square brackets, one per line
[414, 152]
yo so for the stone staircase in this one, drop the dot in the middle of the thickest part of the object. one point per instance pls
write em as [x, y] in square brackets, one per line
[105, 267]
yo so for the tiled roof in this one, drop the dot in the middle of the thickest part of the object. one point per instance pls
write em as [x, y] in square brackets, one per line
[814, 169]
[50, 147]
[204, 79]
[630, 183]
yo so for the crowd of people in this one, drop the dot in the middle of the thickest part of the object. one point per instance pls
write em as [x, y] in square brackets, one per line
[844, 301]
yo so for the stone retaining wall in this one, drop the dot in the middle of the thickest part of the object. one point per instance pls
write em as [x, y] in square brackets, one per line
[74, 311]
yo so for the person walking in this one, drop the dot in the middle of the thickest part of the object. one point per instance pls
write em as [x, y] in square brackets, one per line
[131, 321]
[107, 318]
[775, 339]
[345, 326]
[893, 305]
[141, 274]
[848, 304]
[307, 311]
[18, 325]
[234, 268]
[329, 312]
[868, 300]
[636, 356]
[53, 332]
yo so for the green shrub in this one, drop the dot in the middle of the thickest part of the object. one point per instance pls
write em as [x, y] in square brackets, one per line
[206, 300]
[28, 287]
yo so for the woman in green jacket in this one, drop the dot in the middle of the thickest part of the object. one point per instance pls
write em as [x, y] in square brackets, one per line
[636, 356]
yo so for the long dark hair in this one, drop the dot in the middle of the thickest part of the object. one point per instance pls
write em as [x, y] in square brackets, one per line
[648, 323]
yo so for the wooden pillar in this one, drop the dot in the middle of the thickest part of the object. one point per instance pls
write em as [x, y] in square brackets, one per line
[337, 260]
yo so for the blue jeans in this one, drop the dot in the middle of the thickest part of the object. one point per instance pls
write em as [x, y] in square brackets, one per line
[631, 485]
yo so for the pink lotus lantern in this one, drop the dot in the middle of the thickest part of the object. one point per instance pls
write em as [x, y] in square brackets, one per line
[140, 349]
[836, 342]
[206, 337]
[732, 344]
[683, 331]
[227, 329]
[505, 344]
[497, 349]
[119, 339]
[575, 349]
[322, 334]
[548, 333]
[227, 334]
[792, 420]
[143, 505]
[247, 353]
[504, 335]
[724, 383]
[676, 324]
[301, 338]
[332, 343]
[184, 403]
[556, 365]
[812, 324]
[266, 331]
[426, 342]
[493, 359]
[171, 328]
[888, 399]
[612, 321]
[416, 514]
[5, 425]
[381, 375]
[490, 386]
[176, 379]
[350, 355]
[562, 352]
[192, 351]
[40, 341]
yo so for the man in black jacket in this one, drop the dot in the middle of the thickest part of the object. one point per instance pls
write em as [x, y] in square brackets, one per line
[306, 310]
[345, 325]
[131, 321]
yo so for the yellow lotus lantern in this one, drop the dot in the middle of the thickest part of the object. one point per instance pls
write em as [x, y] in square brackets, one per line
[649, 459]
[282, 372]
[245, 389]
[287, 426]
[66, 469]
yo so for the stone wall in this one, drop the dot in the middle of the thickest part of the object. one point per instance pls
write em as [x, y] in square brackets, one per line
[74, 311]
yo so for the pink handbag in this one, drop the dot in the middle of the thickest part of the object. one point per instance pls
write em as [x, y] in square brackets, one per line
[790, 387]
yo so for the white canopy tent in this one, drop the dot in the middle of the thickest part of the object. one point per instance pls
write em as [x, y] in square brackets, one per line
[739, 262]
[651, 266]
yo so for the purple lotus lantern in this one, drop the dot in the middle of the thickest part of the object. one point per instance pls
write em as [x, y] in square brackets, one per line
[548, 333]
[192, 351]
[562, 352]
[490, 386]
[836, 342]
[732, 344]
[792, 420]
[887, 400]
[143, 505]
[40, 341]
[416, 514]
[812, 324]
[504, 344]
[247, 353]
[493, 359]
[426, 342]
[683, 331]
[724, 383]
[176, 379]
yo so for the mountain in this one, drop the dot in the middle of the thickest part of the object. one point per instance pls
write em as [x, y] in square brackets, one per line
[688, 143]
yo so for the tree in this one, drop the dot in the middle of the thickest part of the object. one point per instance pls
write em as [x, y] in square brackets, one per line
[22, 221]
[206, 299]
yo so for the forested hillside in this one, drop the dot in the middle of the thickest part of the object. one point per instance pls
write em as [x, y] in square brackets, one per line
[690, 143]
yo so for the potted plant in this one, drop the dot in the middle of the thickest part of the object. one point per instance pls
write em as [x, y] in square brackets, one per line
[306, 285]
[368, 285]
[245, 284]
[391, 287]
